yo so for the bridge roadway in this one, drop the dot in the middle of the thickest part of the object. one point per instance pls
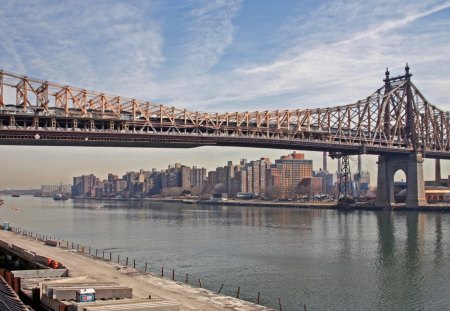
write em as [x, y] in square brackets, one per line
[155, 140]
[143, 284]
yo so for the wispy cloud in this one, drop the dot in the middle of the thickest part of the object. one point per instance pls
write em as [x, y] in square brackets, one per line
[100, 45]
[209, 32]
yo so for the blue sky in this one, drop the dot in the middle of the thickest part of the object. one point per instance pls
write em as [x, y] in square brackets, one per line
[215, 56]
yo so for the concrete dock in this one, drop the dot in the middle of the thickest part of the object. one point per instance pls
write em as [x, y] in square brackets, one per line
[83, 266]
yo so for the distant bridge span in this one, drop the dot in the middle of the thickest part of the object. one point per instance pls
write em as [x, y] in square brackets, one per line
[395, 119]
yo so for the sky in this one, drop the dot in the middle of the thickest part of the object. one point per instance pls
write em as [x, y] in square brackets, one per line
[216, 56]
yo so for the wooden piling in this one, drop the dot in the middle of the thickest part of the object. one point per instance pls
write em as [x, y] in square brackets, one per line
[200, 283]
[238, 292]
[279, 304]
[187, 278]
[173, 274]
[220, 289]
[145, 266]
[162, 271]
[257, 298]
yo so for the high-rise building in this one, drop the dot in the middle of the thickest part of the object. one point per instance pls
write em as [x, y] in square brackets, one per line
[327, 181]
[83, 186]
[286, 174]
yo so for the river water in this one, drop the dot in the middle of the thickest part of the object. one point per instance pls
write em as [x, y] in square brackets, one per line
[324, 259]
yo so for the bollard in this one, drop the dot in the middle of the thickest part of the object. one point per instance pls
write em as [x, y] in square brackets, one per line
[200, 283]
[134, 263]
[187, 278]
[279, 303]
[238, 292]
[146, 267]
[220, 289]
[257, 299]
[173, 274]
[162, 272]
[126, 263]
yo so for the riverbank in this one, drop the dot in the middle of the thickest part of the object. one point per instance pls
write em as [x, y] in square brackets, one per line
[84, 265]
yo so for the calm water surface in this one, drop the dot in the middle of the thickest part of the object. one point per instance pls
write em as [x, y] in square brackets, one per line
[324, 259]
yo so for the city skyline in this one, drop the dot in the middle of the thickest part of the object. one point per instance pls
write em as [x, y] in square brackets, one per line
[216, 56]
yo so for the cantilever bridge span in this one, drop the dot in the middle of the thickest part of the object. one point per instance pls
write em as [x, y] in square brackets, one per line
[396, 118]
[396, 122]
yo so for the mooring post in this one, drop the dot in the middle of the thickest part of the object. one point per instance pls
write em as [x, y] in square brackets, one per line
[257, 298]
[279, 303]
[200, 283]
[145, 266]
[162, 271]
[238, 292]
[187, 278]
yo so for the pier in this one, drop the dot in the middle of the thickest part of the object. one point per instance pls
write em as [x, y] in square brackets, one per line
[86, 269]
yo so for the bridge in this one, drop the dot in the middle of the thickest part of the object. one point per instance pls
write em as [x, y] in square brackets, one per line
[396, 122]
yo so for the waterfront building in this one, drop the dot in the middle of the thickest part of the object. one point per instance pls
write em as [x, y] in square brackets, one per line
[51, 190]
[83, 186]
[285, 175]
[311, 186]
[327, 181]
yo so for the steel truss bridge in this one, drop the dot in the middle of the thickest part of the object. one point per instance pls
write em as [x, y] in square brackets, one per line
[395, 119]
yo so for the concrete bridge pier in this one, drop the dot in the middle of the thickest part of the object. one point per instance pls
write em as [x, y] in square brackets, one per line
[412, 166]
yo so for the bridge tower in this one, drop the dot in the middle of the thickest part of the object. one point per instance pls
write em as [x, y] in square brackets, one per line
[411, 164]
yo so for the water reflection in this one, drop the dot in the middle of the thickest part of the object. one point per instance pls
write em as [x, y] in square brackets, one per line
[322, 258]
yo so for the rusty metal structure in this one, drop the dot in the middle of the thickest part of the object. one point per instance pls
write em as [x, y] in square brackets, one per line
[395, 119]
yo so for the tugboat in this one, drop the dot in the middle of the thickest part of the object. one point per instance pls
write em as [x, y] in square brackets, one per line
[59, 197]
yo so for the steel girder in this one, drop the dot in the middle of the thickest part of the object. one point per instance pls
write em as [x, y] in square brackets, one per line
[396, 116]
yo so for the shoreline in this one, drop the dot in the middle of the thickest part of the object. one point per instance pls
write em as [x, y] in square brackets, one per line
[332, 205]
[83, 265]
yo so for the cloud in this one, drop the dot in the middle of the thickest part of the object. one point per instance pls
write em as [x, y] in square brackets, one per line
[342, 66]
[209, 32]
[101, 45]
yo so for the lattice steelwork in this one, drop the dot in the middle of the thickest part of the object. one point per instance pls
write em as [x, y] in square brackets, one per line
[396, 118]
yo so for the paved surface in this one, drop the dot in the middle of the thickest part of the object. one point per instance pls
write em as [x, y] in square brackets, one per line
[143, 284]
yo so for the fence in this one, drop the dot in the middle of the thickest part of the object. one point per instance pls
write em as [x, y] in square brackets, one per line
[145, 267]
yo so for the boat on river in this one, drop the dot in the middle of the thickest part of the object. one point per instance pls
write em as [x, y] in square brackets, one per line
[59, 197]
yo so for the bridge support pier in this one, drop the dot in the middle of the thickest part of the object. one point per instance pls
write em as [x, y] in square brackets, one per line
[412, 166]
